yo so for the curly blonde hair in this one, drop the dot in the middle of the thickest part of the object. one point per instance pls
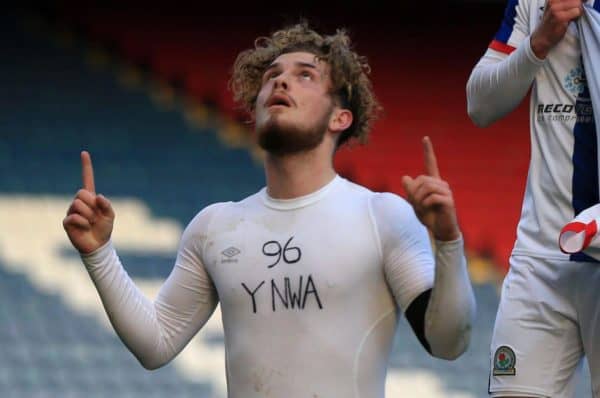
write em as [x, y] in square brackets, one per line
[351, 86]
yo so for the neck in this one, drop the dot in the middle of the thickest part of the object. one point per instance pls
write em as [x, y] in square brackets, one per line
[292, 176]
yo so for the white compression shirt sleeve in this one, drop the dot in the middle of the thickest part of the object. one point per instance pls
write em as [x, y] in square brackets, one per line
[406, 251]
[499, 82]
[156, 331]
[451, 310]
[411, 269]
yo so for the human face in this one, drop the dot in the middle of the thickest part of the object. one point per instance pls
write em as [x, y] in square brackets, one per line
[294, 105]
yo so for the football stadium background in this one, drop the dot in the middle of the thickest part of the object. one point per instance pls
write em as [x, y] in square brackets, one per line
[144, 90]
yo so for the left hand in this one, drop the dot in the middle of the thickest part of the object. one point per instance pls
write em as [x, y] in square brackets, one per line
[431, 198]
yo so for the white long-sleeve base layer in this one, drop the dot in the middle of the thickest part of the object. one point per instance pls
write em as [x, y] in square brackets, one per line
[310, 290]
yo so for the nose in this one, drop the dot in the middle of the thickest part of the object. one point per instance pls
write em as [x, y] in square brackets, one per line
[281, 81]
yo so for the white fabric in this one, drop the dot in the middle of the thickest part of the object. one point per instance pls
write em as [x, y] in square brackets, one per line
[549, 312]
[589, 36]
[495, 87]
[587, 221]
[581, 234]
[548, 316]
[310, 290]
[451, 309]
[498, 83]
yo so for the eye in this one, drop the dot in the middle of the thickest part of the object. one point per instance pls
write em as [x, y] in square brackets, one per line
[270, 75]
[306, 75]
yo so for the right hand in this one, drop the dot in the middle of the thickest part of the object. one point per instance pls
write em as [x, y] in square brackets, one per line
[553, 27]
[89, 220]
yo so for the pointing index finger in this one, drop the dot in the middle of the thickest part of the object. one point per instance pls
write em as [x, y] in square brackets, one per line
[431, 167]
[87, 172]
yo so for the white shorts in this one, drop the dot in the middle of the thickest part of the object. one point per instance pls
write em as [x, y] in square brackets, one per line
[548, 317]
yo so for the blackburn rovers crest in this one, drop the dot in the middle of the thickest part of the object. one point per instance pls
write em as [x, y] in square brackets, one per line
[504, 362]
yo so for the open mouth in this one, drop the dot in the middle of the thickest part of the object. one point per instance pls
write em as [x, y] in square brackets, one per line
[279, 100]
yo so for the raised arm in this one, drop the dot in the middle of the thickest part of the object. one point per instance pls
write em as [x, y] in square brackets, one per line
[154, 331]
[434, 291]
[502, 77]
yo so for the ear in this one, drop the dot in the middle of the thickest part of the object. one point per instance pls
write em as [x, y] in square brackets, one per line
[341, 119]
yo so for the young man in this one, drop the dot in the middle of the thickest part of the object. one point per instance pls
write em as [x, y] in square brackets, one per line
[549, 313]
[312, 270]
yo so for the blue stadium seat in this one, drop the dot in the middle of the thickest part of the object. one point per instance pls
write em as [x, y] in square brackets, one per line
[58, 106]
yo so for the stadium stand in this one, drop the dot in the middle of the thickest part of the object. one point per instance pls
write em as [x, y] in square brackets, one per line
[194, 52]
[160, 170]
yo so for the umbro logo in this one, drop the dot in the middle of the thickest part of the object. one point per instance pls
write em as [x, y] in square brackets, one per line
[230, 253]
